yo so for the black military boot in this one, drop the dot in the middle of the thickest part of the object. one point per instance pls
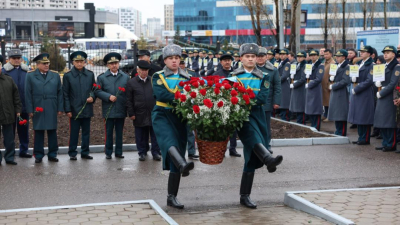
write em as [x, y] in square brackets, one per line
[173, 186]
[245, 190]
[265, 156]
[180, 162]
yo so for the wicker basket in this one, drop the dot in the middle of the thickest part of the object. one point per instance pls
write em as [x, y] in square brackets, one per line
[211, 152]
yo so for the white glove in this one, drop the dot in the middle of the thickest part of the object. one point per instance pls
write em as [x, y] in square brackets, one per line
[308, 76]
[383, 88]
[332, 78]
[352, 91]
[378, 95]
[306, 86]
[292, 76]
[330, 87]
[354, 79]
[378, 84]
[291, 86]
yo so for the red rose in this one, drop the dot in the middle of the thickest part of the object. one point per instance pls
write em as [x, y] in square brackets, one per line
[210, 83]
[236, 85]
[39, 109]
[207, 102]
[234, 100]
[94, 85]
[218, 85]
[195, 84]
[177, 95]
[123, 89]
[241, 89]
[196, 109]
[246, 98]
[234, 93]
[21, 123]
[225, 82]
[193, 94]
[217, 91]
[187, 88]
[227, 86]
[119, 88]
[183, 98]
[98, 86]
[203, 92]
[202, 82]
[181, 83]
[220, 104]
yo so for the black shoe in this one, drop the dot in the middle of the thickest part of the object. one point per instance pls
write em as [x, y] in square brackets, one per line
[234, 153]
[193, 156]
[354, 142]
[157, 157]
[142, 157]
[183, 166]
[353, 126]
[379, 137]
[173, 187]
[11, 163]
[108, 157]
[38, 160]
[363, 143]
[86, 157]
[53, 159]
[379, 148]
[245, 190]
[386, 149]
[263, 154]
[25, 155]
[119, 156]
[375, 134]
[73, 158]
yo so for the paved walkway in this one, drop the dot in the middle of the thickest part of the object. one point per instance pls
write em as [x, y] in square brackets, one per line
[381, 206]
[263, 215]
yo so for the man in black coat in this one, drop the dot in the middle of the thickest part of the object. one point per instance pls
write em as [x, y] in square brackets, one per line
[140, 103]
[145, 55]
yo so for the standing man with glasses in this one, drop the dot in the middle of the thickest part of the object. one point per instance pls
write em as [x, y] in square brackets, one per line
[17, 70]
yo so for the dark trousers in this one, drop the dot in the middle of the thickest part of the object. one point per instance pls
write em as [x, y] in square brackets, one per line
[301, 118]
[118, 124]
[38, 145]
[233, 142]
[9, 143]
[364, 132]
[389, 137]
[74, 128]
[326, 108]
[23, 134]
[191, 141]
[142, 135]
[268, 122]
[341, 128]
[315, 121]
[285, 114]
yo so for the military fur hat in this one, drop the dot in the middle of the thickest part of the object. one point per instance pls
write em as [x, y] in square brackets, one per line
[172, 50]
[248, 48]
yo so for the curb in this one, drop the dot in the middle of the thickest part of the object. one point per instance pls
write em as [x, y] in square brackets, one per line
[151, 202]
[299, 203]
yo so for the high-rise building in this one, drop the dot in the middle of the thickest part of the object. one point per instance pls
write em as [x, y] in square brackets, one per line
[154, 27]
[129, 18]
[43, 4]
[145, 31]
[169, 17]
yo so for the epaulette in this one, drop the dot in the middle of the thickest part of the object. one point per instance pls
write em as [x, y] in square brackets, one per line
[190, 69]
[54, 71]
[89, 70]
[160, 72]
[100, 74]
[31, 71]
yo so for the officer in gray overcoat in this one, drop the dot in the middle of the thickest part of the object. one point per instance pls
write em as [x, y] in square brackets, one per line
[339, 98]
[361, 109]
[314, 90]
[385, 112]
[298, 95]
[284, 72]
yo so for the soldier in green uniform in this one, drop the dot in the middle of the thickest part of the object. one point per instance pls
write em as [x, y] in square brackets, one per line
[43, 89]
[77, 87]
[170, 130]
[254, 134]
[271, 56]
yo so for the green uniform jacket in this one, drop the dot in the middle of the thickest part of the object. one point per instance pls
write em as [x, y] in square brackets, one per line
[10, 102]
[274, 97]
[77, 87]
[255, 130]
[46, 93]
[169, 128]
[109, 86]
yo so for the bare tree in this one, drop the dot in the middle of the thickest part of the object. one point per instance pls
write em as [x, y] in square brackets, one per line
[326, 24]
[364, 10]
[372, 12]
[277, 22]
[255, 8]
[385, 14]
[344, 24]
[292, 40]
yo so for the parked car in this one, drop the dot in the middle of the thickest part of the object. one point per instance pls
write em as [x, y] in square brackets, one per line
[126, 65]
[129, 54]
[24, 45]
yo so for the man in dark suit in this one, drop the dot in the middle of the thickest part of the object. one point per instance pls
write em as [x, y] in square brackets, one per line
[145, 55]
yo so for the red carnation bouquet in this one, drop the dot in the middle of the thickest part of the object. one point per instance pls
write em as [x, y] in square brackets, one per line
[94, 88]
[120, 90]
[214, 107]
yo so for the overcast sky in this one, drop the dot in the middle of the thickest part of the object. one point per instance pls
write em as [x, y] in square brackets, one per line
[149, 8]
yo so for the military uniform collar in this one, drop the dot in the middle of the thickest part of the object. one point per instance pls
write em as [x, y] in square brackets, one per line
[269, 65]
[76, 72]
[108, 73]
[367, 63]
[392, 64]
[344, 63]
[168, 72]
[8, 67]
[257, 72]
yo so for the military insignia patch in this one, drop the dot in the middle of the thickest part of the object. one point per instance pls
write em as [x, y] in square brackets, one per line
[347, 72]
[266, 84]
[371, 72]
[397, 73]
[286, 68]
[321, 71]
[159, 82]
